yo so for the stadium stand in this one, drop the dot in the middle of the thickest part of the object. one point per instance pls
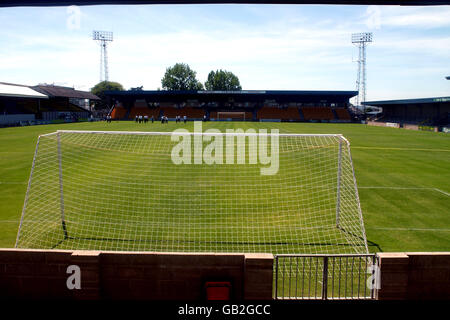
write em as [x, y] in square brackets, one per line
[189, 112]
[44, 102]
[434, 111]
[289, 113]
[343, 114]
[118, 112]
[258, 105]
[141, 108]
[317, 113]
[214, 115]
[155, 112]
[171, 112]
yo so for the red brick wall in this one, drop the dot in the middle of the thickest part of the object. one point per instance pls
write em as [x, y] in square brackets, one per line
[429, 276]
[414, 276]
[182, 276]
[131, 275]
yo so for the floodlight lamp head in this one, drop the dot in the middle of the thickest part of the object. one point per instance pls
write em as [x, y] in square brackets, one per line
[102, 35]
[361, 37]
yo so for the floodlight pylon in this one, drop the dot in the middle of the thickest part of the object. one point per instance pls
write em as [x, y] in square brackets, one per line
[361, 40]
[103, 37]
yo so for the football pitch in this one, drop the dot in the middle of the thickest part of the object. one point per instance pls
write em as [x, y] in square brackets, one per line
[403, 177]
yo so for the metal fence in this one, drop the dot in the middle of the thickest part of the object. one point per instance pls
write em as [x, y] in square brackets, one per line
[347, 276]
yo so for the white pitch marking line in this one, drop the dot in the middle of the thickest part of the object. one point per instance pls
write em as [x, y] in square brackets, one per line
[399, 188]
[401, 149]
[408, 229]
[408, 188]
[12, 182]
[443, 192]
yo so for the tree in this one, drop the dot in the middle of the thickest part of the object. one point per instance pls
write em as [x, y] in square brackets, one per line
[180, 77]
[222, 80]
[99, 90]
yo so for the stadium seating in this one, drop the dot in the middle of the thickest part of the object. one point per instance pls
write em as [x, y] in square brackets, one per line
[118, 112]
[289, 113]
[317, 113]
[189, 112]
[248, 115]
[343, 114]
[267, 112]
[144, 111]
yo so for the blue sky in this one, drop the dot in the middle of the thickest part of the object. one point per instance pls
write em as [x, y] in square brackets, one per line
[278, 47]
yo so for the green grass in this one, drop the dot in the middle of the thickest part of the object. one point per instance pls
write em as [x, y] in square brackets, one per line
[404, 177]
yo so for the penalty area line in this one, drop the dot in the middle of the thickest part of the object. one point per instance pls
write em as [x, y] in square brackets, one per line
[408, 229]
[443, 192]
[400, 149]
[12, 182]
[399, 188]
[407, 188]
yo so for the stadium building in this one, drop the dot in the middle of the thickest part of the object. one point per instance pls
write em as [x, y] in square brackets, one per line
[426, 111]
[249, 105]
[20, 104]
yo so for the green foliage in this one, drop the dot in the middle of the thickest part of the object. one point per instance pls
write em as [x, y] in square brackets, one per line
[180, 77]
[99, 90]
[222, 80]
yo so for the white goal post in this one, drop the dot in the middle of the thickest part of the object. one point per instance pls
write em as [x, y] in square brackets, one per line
[230, 115]
[112, 190]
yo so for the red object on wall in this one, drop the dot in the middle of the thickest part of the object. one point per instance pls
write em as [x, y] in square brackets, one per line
[218, 290]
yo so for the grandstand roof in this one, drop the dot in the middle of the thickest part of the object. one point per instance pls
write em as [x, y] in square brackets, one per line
[66, 92]
[10, 3]
[407, 101]
[241, 95]
[19, 91]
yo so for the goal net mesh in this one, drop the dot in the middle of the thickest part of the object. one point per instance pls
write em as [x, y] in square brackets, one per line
[123, 191]
[231, 115]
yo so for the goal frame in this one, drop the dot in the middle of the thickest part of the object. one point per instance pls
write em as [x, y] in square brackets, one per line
[231, 113]
[343, 143]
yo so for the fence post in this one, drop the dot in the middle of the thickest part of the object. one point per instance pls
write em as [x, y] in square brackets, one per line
[276, 277]
[338, 192]
[61, 192]
[325, 279]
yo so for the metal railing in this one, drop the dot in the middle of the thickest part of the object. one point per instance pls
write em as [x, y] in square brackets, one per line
[325, 277]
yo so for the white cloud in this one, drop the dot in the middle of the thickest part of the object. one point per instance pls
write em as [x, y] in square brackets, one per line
[373, 17]
[422, 47]
[417, 17]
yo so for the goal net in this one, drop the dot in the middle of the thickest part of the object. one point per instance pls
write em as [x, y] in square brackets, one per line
[233, 115]
[130, 191]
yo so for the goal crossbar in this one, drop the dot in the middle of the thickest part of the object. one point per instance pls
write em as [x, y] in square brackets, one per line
[165, 133]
